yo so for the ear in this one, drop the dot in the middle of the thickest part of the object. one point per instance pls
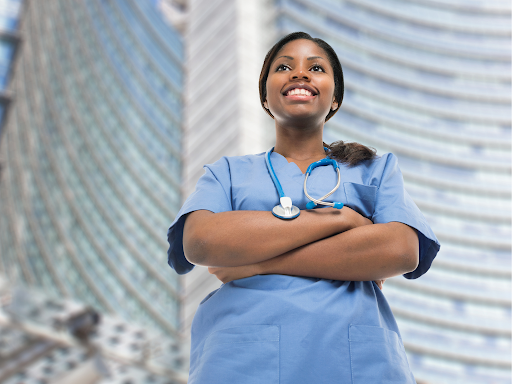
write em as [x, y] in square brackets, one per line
[334, 105]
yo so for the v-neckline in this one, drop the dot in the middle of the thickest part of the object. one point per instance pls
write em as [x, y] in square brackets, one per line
[287, 163]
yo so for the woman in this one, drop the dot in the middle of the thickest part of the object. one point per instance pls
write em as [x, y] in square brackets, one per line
[300, 301]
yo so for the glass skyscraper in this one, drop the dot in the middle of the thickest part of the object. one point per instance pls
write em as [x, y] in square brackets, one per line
[91, 155]
[430, 82]
[9, 42]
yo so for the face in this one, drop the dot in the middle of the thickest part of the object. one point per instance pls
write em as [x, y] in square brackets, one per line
[300, 83]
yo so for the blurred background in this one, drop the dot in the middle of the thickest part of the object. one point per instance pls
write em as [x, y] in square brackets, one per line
[110, 108]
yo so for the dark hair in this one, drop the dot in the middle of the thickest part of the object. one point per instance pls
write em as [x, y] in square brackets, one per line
[349, 153]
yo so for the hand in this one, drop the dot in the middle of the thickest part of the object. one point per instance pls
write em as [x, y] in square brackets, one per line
[380, 283]
[227, 274]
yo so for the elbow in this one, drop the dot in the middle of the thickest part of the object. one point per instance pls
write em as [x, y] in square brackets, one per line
[405, 247]
[193, 254]
[195, 248]
[197, 238]
[410, 254]
[409, 262]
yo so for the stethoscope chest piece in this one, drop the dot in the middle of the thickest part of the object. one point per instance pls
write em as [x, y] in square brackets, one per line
[286, 210]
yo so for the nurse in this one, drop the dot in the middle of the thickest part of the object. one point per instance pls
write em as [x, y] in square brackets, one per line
[300, 301]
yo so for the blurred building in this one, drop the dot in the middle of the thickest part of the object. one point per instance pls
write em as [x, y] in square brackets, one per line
[62, 341]
[9, 43]
[91, 156]
[427, 80]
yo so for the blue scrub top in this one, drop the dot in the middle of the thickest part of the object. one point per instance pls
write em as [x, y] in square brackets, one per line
[289, 329]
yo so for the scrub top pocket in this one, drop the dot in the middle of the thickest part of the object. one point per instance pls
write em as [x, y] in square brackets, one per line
[361, 198]
[246, 354]
[377, 356]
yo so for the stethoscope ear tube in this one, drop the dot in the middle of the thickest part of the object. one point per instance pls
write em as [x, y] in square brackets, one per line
[314, 202]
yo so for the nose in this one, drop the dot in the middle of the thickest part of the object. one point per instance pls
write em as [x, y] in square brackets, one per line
[300, 74]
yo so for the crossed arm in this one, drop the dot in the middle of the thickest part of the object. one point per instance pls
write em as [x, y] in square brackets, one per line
[325, 243]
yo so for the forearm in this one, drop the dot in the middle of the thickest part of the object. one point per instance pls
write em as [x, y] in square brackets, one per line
[365, 253]
[245, 237]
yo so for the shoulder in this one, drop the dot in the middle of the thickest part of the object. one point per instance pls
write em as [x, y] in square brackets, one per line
[227, 166]
[227, 162]
[380, 163]
[372, 171]
[375, 163]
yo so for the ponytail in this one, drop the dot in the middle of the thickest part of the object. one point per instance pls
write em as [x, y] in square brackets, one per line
[350, 153]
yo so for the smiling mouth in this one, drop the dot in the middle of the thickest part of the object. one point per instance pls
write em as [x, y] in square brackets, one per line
[300, 93]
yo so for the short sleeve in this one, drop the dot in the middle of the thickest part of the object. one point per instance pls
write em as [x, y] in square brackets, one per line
[393, 203]
[212, 193]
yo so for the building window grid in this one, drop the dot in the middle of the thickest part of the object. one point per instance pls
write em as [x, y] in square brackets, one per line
[395, 111]
[423, 59]
[401, 34]
[142, 96]
[398, 27]
[150, 169]
[477, 256]
[154, 18]
[78, 191]
[477, 313]
[89, 267]
[61, 198]
[157, 82]
[435, 101]
[131, 266]
[58, 198]
[460, 342]
[419, 139]
[470, 176]
[33, 256]
[88, 38]
[117, 97]
[145, 41]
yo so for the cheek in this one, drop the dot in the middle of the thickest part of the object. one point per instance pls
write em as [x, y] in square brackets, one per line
[272, 93]
[329, 91]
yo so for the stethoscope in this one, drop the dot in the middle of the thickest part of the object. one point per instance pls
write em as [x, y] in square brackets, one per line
[286, 210]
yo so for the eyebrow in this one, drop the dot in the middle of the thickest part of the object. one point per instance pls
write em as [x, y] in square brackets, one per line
[309, 58]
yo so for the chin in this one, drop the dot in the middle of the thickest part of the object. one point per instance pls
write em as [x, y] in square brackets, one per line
[303, 116]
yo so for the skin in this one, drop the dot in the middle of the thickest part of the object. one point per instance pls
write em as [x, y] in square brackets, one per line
[240, 244]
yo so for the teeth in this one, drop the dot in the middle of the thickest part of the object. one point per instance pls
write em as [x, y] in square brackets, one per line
[299, 91]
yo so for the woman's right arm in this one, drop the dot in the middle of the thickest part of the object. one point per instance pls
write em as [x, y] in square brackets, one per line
[234, 238]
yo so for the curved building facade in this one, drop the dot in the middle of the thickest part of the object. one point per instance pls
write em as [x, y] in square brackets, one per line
[9, 42]
[91, 157]
[430, 81]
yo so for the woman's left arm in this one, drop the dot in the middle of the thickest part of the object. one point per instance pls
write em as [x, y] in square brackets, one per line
[366, 253]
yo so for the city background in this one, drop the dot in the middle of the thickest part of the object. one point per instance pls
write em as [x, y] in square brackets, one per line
[110, 108]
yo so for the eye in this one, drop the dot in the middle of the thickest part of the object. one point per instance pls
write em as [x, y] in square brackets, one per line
[282, 67]
[317, 68]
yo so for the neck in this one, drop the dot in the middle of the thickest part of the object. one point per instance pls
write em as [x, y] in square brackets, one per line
[299, 144]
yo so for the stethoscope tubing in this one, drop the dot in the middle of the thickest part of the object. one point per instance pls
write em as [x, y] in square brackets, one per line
[286, 210]
[273, 173]
[320, 200]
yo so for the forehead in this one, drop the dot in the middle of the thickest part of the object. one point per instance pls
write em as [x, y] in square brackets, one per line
[300, 48]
